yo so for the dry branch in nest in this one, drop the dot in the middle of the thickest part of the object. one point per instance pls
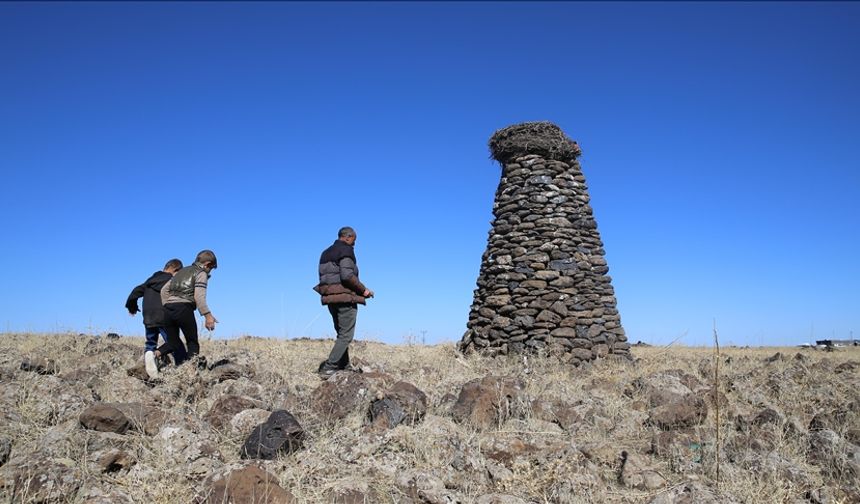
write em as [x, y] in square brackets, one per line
[542, 138]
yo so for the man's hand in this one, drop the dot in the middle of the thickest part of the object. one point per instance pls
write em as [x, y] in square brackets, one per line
[210, 322]
[368, 293]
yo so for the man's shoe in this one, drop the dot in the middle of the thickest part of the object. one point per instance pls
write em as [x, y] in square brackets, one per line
[163, 361]
[150, 365]
[325, 371]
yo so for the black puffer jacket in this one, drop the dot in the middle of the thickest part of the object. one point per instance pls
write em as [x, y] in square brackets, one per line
[338, 272]
[150, 291]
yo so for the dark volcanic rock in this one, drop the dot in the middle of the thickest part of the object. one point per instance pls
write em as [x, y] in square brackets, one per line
[226, 407]
[39, 365]
[230, 369]
[558, 412]
[247, 485]
[105, 418]
[403, 403]
[686, 412]
[144, 418]
[488, 401]
[280, 434]
[115, 460]
[346, 392]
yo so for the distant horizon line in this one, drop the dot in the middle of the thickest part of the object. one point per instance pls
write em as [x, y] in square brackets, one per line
[638, 344]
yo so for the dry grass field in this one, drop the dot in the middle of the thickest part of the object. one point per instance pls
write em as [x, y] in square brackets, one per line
[79, 423]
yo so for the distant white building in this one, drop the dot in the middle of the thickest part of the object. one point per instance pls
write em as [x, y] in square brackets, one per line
[837, 343]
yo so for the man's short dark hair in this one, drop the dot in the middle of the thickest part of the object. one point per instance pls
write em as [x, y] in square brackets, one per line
[345, 232]
[205, 256]
[174, 264]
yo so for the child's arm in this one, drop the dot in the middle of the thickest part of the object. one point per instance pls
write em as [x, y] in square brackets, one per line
[131, 302]
[200, 285]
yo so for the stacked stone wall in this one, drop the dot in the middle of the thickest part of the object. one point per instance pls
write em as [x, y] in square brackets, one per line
[543, 282]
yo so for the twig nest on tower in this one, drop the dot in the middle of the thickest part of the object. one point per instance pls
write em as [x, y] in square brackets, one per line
[542, 138]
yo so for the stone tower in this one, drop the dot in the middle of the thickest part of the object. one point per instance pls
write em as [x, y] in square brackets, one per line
[543, 282]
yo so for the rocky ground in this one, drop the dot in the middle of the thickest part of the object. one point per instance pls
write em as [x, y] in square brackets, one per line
[79, 422]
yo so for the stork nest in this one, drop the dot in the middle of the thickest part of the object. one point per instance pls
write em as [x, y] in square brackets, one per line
[542, 138]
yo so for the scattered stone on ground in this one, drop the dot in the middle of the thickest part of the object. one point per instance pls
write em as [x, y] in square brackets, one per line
[40, 365]
[280, 434]
[244, 422]
[402, 403]
[226, 407]
[489, 401]
[114, 460]
[105, 418]
[345, 393]
[246, 485]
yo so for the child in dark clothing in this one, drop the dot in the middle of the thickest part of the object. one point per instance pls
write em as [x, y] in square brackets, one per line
[153, 311]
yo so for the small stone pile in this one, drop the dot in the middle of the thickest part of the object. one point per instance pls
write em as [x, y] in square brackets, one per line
[543, 283]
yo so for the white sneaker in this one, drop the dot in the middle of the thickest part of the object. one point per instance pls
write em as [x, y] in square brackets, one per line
[149, 363]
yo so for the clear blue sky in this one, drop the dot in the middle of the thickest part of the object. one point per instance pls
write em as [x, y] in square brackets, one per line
[720, 143]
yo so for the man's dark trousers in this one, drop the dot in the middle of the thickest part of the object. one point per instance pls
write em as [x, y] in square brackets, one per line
[180, 316]
[152, 334]
[343, 315]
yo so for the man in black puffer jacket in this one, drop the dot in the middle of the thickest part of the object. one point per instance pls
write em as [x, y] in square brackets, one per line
[153, 311]
[342, 291]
